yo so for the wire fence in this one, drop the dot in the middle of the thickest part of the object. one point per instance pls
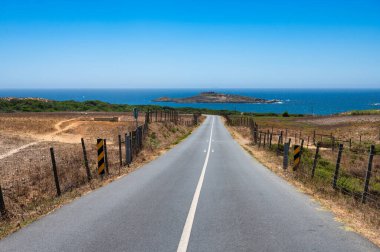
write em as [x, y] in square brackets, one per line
[39, 173]
[352, 168]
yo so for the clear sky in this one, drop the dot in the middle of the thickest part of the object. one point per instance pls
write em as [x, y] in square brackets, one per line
[190, 44]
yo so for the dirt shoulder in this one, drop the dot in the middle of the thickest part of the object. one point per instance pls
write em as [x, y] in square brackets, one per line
[355, 216]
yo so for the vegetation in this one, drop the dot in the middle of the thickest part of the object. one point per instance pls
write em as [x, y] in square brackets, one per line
[364, 112]
[35, 105]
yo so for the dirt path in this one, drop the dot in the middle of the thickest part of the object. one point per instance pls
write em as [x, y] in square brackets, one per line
[50, 137]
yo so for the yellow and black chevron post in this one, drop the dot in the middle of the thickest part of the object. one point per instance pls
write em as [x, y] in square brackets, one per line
[297, 157]
[101, 159]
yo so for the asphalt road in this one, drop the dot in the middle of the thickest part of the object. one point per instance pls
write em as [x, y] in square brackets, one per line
[206, 194]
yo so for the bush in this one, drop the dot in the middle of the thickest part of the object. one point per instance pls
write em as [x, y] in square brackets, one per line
[285, 114]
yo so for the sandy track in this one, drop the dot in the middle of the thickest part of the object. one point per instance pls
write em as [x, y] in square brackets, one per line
[50, 137]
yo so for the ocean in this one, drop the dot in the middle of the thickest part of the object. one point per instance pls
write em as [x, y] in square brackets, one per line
[295, 101]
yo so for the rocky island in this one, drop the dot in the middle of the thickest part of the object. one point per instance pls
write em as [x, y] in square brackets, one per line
[213, 97]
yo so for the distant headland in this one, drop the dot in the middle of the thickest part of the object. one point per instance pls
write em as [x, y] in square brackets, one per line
[213, 97]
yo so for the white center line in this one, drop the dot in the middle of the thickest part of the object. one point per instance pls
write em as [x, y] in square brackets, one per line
[183, 243]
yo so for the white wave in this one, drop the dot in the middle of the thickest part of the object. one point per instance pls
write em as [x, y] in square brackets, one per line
[376, 104]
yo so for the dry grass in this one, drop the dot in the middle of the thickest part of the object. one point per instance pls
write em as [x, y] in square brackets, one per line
[342, 127]
[356, 216]
[26, 176]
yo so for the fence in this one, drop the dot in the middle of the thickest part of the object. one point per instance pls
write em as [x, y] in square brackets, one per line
[351, 168]
[53, 171]
[172, 116]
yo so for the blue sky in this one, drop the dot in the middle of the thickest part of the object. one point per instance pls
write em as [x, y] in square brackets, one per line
[190, 44]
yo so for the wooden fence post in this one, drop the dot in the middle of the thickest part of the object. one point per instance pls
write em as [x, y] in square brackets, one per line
[265, 138]
[368, 174]
[2, 204]
[315, 161]
[256, 128]
[120, 155]
[350, 143]
[88, 172]
[278, 144]
[286, 133]
[260, 140]
[106, 156]
[286, 156]
[270, 140]
[55, 173]
[336, 174]
[128, 151]
[314, 137]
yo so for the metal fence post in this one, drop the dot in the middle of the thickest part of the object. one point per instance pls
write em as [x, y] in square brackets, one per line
[55, 173]
[315, 161]
[88, 172]
[368, 174]
[336, 174]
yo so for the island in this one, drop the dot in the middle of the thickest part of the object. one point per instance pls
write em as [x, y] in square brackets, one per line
[213, 97]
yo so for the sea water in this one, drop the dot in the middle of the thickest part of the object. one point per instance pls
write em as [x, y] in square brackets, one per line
[305, 101]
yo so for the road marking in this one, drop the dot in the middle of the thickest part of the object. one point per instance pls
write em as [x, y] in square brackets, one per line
[212, 150]
[183, 243]
[204, 150]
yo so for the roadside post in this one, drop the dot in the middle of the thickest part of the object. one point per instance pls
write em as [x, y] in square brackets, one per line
[297, 156]
[106, 156]
[101, 160]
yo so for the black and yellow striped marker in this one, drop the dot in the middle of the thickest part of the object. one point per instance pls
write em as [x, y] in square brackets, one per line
[297, 156]
[100, 147]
